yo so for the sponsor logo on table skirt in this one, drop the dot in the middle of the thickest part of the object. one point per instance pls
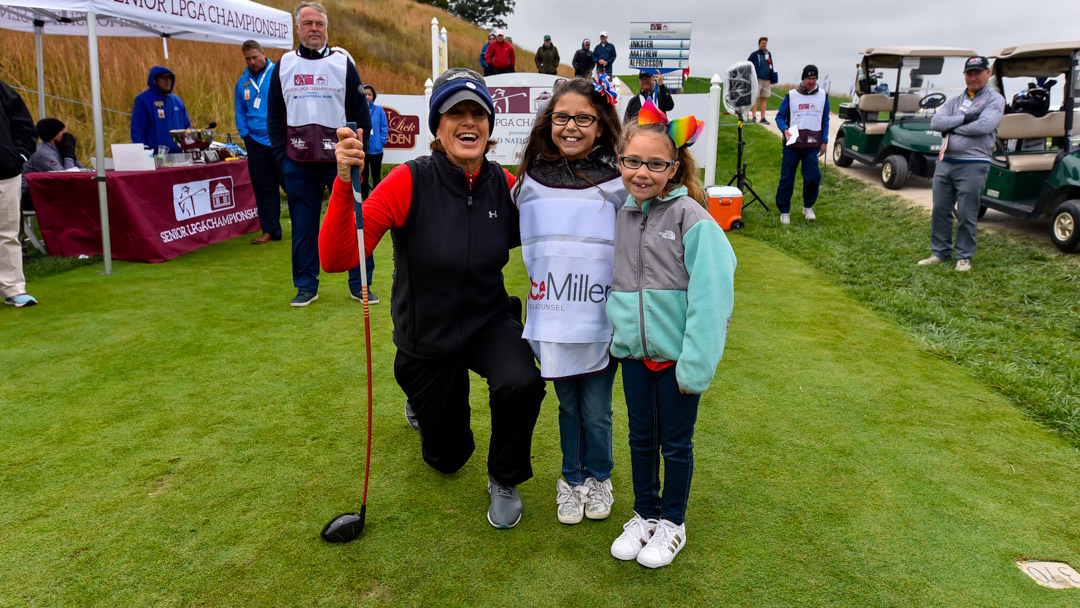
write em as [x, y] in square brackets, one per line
[202, 197]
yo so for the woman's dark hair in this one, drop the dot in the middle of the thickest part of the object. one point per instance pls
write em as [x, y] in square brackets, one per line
[540, 145]
[374, 93]
[685, 175]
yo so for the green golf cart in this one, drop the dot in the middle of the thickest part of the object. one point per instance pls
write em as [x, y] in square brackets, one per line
[1036, 164]
[892, 128]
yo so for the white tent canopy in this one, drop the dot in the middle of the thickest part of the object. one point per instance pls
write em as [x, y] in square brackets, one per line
[227, 21]
[216, 21]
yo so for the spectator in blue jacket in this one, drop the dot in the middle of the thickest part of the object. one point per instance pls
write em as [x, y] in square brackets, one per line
[380, 131]
[485, 67]
[157, 110]
[250, 102]
[766, 76]
[604, 55]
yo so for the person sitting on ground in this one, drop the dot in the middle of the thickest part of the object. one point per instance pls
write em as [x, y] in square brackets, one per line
[453, 225]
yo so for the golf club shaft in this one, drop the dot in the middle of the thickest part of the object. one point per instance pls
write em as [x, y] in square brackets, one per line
[358, 206]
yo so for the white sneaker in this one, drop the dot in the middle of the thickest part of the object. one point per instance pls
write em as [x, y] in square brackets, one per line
[808, 213]
[571, 501]
[934, 259]
[785, 218]
[963, 265]
[668, 539]
[635, 536]
[599, 501]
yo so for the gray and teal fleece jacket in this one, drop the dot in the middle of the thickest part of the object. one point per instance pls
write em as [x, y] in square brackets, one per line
[673, 287]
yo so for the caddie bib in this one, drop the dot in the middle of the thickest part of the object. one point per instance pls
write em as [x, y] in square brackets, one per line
[314, 92]
[806, 112]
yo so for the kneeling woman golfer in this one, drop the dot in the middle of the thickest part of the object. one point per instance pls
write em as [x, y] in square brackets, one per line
[453, 225]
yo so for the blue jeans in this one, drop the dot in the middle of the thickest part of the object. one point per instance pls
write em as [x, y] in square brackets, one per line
[305, 184]
[959, 185]
[811, 177]
[585, 426]
[661, 421]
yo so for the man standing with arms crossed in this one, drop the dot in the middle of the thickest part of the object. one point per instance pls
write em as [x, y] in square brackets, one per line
[313, 92]
[969, 123]
[250, 102]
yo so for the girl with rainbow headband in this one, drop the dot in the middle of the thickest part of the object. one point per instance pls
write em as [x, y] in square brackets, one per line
[672, 293]
[568, 193]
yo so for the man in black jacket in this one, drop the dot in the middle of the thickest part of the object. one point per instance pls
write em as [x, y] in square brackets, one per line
[314, 91]
[17, 139]
[650, 89]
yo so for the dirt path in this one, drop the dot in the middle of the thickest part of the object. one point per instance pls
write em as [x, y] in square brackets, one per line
[919, 192]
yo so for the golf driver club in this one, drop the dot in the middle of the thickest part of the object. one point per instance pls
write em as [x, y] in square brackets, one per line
[348, 526]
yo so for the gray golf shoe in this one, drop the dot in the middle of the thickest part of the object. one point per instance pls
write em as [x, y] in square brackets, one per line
[505, 509]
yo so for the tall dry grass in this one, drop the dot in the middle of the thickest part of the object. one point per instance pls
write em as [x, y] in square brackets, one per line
[389, 39]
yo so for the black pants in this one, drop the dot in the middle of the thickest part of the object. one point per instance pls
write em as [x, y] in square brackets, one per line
[438, 391]
[372, 173]
[266, 178]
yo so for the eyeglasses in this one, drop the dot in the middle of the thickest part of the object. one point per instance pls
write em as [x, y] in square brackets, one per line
[581, 120]
[656, 166]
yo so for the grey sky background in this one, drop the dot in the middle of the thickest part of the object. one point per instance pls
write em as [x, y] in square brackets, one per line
[830, 34]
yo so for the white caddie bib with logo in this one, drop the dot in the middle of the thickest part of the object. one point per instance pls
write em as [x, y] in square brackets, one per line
[806, 111]
[314, 92]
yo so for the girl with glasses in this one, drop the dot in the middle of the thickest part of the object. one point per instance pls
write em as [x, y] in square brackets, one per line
[671, 300]
[568, 192]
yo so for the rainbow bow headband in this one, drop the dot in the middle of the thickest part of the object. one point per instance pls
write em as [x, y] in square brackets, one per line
[684, 131]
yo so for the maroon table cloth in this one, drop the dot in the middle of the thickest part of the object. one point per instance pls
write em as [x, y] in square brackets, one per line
[154, 216]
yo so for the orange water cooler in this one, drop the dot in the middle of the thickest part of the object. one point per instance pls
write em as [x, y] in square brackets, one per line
[725, 205]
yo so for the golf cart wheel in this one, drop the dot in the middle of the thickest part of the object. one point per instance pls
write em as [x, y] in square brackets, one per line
[894, 172]
[1065, 226]
[737, 225]
[838, 157]
[982, 211]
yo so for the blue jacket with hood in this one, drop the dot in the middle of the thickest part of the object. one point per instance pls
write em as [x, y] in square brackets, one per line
[155, 113]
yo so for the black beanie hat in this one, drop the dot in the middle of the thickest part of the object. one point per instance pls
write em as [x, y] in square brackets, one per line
[374, 93]
[810, 71]
[48, 128]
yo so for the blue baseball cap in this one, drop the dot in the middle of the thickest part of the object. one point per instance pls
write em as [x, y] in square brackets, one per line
[454, 86]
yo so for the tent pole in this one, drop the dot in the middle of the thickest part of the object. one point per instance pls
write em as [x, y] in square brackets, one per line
[39, 29]
[99, 139]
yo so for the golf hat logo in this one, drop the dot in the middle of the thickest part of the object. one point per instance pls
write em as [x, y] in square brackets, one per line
[203, 197]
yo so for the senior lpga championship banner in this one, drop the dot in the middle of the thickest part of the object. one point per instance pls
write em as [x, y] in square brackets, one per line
[518, 98]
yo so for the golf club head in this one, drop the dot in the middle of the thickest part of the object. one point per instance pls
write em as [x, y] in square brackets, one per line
[345, 527]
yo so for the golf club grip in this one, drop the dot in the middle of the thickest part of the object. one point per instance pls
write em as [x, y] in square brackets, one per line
[355, 179]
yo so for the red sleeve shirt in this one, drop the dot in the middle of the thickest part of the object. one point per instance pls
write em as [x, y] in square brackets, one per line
[387, 207]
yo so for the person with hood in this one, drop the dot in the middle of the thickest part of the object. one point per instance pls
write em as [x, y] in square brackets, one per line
[16, 145]
[547, 57]
[158, 110]
[500, 54]
[583, 60]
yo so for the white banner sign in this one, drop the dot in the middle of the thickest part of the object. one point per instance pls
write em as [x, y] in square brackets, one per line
[663, 47]
[518, 98]
[669, 30]
[409, 135]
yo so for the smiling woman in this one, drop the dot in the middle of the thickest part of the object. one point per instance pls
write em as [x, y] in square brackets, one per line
[453, 225]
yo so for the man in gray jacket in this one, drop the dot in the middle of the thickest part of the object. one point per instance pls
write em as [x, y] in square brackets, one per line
[969, 123]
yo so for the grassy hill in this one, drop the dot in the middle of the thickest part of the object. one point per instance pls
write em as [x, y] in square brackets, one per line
[389, 39]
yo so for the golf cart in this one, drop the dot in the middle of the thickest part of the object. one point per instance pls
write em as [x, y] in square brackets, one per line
[1036, 163]
[893, 128]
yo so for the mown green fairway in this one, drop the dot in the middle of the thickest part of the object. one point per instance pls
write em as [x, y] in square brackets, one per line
[176, 435]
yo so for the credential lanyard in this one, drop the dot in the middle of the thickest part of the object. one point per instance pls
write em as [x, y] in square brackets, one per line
[258, 85]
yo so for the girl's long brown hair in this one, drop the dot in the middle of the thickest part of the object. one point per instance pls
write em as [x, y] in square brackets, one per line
[540, 146]
[687, 173]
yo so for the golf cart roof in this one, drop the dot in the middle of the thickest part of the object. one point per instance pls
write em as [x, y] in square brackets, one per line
[1039, 59]
[887, 56]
